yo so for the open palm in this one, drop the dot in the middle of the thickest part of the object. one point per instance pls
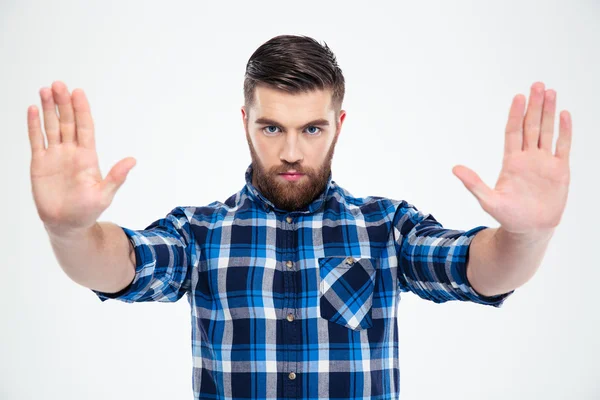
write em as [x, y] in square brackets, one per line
[67, 185]
[531, 192]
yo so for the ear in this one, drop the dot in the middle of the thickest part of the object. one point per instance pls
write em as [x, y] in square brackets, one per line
[340, 121]
[244, 117]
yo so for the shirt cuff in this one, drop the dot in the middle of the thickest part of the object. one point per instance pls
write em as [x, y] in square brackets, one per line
[141, 258]
[473, 295]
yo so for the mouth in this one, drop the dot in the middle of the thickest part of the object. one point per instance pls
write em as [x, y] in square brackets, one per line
[291, 176]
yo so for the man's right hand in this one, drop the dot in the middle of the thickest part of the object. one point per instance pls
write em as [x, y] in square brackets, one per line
[67, 185]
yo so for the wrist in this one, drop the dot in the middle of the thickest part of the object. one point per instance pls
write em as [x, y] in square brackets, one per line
[68, 234]
[523, 238]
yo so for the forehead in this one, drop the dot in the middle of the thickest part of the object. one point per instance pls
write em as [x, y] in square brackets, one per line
[297, 107]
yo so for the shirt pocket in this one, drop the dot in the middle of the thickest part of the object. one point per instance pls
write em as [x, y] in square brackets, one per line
[346, 291]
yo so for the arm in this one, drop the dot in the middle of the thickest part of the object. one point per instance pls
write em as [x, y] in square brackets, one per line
[529, 197]
[70, 194]
[432, 260]
[165, 254]
[501, 261]
[100, 257]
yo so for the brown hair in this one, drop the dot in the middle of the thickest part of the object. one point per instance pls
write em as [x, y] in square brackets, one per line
[294, 63]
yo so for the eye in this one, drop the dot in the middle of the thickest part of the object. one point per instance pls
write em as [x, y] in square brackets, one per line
[273, 130]
[267, 130]
[314, 133]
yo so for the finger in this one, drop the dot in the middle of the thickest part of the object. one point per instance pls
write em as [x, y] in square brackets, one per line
[36, 137]
[117, 175]
[62, 98]
[50, 117]
[533, 117]
[513, 138]
[83, 120]
[482, 192]
[547, 132]
[565, 129]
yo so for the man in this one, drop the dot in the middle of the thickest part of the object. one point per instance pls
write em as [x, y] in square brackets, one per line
[293, 282]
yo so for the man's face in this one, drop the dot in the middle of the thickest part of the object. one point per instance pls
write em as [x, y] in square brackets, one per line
[292, 139]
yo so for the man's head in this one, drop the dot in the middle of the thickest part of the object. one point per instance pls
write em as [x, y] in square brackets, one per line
[293, 93]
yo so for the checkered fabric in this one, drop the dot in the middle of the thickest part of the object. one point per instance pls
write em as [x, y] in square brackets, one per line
[298, 304]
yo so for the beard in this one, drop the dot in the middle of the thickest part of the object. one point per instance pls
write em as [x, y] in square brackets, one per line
[290, 195]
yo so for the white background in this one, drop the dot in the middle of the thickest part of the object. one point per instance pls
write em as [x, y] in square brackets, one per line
[429, 85]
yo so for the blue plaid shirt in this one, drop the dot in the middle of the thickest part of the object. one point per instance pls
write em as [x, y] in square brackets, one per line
[298, 304]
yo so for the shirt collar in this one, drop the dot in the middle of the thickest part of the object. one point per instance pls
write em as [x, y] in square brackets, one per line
[267, 205]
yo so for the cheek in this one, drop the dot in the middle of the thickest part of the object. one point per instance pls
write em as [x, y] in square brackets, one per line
[317, 152]
[266, 150]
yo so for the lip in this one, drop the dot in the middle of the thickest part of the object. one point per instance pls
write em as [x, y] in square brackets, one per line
[291, 176]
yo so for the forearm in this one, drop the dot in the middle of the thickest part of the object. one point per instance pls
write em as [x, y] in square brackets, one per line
[500, 261]
[100, 258]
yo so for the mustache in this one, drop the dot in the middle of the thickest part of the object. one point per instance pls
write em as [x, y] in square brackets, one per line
[290, 167]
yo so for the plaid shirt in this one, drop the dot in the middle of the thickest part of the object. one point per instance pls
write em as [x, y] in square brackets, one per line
[298, 304]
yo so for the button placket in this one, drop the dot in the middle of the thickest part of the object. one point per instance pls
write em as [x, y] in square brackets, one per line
[290, 329]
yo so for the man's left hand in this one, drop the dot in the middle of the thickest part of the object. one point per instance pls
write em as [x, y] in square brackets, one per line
[531, 191]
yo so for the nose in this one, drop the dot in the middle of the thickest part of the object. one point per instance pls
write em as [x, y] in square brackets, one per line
[291, 151]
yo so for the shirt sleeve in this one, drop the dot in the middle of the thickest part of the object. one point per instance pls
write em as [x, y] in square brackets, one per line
[432, 260]
[165, 252]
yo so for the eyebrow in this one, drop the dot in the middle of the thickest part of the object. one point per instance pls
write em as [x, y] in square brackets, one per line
[268, 121]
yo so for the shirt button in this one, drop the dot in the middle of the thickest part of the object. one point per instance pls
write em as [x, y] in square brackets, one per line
[290, 317]
[289, 264]
[350, 260]
[292, 376]
[289, 219]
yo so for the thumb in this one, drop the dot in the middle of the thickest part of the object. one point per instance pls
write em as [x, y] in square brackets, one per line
[117, 175]
[475, 185]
